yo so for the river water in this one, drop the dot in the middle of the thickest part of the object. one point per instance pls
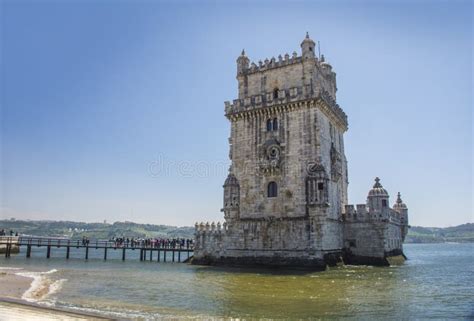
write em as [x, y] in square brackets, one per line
[437, 282]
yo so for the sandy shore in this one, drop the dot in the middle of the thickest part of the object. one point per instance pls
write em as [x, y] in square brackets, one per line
[12, 307]
[13, 286]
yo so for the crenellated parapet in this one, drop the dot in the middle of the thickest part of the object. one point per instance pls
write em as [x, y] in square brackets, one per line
[272, 63]
[361, 213]
[209, 238]
[286, 99]
[209, 228]
[282, 61]
[356, 213]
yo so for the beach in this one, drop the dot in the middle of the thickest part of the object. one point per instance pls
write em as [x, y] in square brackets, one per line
[18, 294]
[13, 286]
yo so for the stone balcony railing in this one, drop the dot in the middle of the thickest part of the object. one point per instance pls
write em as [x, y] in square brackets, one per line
[284, 96]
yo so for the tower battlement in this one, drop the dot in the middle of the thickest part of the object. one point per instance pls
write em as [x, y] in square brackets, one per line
[270, 76]
[267, 64]
[283, 61]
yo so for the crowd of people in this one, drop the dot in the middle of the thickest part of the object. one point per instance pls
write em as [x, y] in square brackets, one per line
[4, 233]
[157, 243]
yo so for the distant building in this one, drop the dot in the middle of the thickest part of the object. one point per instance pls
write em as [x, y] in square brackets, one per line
[285, 198]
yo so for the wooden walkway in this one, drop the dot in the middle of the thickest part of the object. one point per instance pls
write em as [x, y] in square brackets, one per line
[147, 252]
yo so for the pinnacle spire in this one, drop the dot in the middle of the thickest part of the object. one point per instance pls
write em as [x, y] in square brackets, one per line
[307, 35]
[243, 52]
[399, 198]
[377, 183]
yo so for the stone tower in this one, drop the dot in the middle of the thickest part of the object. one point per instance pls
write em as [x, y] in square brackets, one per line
[286, 192]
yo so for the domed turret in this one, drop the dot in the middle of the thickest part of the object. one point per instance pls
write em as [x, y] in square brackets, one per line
[242, 63]
[231, 197]
[231, 180]
[325, 64]
[399, 205]
[307, 47]
[377, 200]
[378, 189]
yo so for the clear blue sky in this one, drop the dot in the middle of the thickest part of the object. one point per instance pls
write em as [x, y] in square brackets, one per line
[95, 95]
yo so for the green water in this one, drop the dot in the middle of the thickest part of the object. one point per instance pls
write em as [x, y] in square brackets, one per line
[435, 283]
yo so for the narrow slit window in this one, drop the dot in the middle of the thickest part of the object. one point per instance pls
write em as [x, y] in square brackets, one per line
[272, 190]
[269, 125]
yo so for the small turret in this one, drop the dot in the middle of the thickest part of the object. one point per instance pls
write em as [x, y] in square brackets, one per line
[377, 200]
[326, 65]
[402, 209]
[243, 63]
[399, 205]
[307, 47]
[231, 197]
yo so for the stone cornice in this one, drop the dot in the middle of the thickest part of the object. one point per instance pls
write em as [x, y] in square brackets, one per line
[323, 101]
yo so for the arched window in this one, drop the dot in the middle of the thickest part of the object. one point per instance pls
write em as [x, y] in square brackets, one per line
[275, 124]
[275, 93]
[272, 189]
[269, 125]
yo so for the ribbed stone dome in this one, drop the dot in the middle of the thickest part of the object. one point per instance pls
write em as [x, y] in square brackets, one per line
[307, 39]
[378, 189]
[324, 63]
[399, 205]
[231, 180]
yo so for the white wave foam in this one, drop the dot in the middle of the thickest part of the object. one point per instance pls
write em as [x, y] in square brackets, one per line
[41, 287]
[10, 268]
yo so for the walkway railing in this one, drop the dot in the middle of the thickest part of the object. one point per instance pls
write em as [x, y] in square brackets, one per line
[146, 247]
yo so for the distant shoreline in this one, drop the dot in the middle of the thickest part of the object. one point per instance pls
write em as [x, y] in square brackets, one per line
[76, 230]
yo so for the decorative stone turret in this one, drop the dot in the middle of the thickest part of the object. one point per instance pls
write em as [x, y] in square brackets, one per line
[308, 47]
[377, 200]
[242, 63]
[402, 209]
[399, 206]
[231, 198]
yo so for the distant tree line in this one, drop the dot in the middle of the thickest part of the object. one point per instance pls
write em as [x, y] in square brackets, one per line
[416, 234]
[75, 230]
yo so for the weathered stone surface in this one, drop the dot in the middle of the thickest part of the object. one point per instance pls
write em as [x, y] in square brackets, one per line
[285, 199]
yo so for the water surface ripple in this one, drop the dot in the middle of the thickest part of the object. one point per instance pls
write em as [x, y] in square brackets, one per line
[435, 283]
